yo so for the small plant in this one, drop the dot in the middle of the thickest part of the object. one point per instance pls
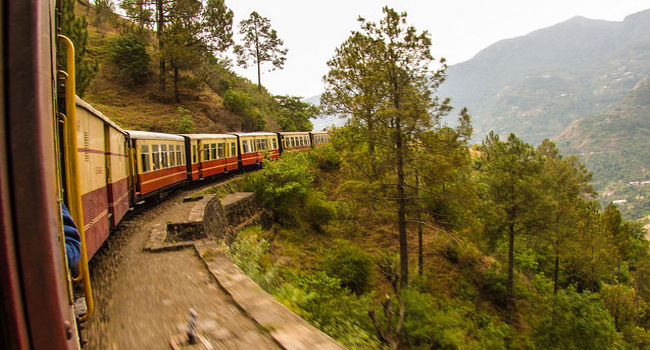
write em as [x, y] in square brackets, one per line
[130, 54]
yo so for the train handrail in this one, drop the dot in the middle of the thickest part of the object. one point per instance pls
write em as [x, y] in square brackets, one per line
[72, 172]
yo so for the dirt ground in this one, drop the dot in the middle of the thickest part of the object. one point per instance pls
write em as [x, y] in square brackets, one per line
[143, 298]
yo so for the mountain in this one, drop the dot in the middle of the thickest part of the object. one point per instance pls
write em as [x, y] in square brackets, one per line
[538, 84]
[614, 146]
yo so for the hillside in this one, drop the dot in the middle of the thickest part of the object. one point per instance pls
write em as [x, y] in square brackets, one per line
[614, 146]
[212, 97]
[538, 84]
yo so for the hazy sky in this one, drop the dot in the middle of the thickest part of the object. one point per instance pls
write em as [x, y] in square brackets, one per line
[459, 29]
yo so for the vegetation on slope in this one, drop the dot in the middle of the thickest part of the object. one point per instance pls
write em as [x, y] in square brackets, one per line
[614, 146]
[208, 96]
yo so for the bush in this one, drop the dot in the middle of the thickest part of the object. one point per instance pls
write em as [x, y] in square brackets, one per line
[576, 321]
[319, 211]
[247, 252]
[326, 158]
[183, 123]
[237, 101]
[253, 120]
[282, 185]
[130, 54]
[351, 266]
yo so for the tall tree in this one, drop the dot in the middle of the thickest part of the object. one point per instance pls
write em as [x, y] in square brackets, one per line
[511, 172]
[261, 44]
[565, 182]
[351, 90]
[381, 78]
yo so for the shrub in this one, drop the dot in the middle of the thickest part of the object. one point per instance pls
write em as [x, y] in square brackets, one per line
[247, 252]
[183, 122]
[326, 158]
[253, 120]
[319, 211]
[282, 185]
[130, 54]
[237, 101]
[351, 266]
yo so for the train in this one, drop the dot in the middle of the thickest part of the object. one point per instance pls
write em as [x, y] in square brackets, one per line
[56, 148]
[122, 168]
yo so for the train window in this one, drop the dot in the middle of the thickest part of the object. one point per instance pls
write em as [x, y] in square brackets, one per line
[244, 146]
[221, 149]
[155, 156]
[302, 141]
[183, 154]
[193, 154]
[172, 156]
[178, 155]
[163, 156]
[206, 152]
[274, 143]
[266, 144]
[253, 149]
[213, 151]
[144, 154]
[233, 149]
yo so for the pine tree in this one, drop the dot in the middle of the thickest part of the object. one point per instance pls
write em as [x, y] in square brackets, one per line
[261, 44]
[511, 173]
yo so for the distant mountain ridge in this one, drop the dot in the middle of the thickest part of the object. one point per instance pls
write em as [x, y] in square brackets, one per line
[538, 84]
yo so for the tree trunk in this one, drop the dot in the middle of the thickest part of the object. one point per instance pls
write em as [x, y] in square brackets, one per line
[371, 145]
[556, 270]
[401, 204]
[419, 219]
[159, 31]
[511, 271]
[176, 88]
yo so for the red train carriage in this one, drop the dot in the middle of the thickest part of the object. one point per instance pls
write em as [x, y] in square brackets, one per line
[319, 138]
[255, 146]
[160, 162]
[210, 154]
[291, 141]
[102, 154]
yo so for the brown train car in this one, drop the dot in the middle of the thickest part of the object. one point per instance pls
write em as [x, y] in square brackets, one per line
[103, 169]
[255, 146]
[294, 141]
[210, 154]
[159, 160]
[319, 138]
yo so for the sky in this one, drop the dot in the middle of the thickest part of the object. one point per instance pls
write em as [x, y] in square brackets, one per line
[459, 29]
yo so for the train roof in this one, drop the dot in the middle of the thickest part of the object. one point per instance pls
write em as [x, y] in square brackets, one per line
[290, 133]
[319, 132]
[87, 106]
[209, 136]
[257, 133]
[148, 135]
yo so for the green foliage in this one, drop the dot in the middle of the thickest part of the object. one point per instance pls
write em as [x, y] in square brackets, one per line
[76, 28]
[282, 185]
[129, 52]
[183, 123]
[294, 115]
[576, 321]
[322, 301]
[326, 158]
[253, 120]
[351, 266]
[443, 324]
[248, 252]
